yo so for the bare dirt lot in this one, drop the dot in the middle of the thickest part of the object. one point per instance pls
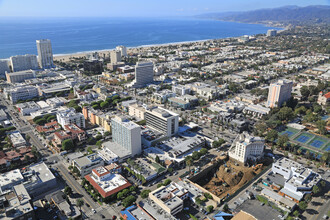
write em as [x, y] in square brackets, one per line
[230, 177]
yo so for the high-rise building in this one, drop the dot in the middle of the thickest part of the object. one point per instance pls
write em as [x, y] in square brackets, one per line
[127, 134]
[45, 53]
[23, 62]
[144, 74]
[123, 50]
[271, 33]
[279, 93]
[70, 116]
[162, 120]
[115, 56]
[4, 67]
[246, 147]
[20, 76]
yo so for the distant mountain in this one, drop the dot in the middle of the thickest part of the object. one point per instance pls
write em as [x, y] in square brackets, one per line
[286, 14]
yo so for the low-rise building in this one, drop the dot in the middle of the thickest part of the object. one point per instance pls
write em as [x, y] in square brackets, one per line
[170, 198]
[323, 99]
[48, 127]
[86, 164]
[16, 204]
[106, 183]
[246, 147]
[20, 76]
[298, 179]
[17, 140]
[21, 93]
[256, 110]
[27, 107]
[162, 96]
[137, 111]
[3, 115]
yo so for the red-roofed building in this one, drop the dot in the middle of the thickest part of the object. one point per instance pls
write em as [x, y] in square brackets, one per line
[19, 157]
[323, 99]
[49, 127]
[72, 132]
[107, 183]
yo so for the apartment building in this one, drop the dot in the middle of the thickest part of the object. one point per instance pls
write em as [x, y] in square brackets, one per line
[70, 116]
[279, 92]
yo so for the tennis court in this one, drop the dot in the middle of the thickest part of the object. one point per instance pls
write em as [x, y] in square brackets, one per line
[303, 138]
[290, 132]
[316, 143]
[327, 148]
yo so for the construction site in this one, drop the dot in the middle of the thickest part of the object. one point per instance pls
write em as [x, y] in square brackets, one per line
[227, 177]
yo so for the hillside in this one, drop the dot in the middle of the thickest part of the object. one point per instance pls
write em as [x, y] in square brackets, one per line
[288, 14]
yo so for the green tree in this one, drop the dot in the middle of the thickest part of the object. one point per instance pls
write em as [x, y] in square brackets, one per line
[157, 159]
[303, 205]
[167, 181]
[67, 145]
[321, 127]
[80, 203]
[145, 193]
[272, 135]
[203, 151]
[104, 104]
[209, 208]
[285, 113]
[304, 91]
[68, 190]
[282, 140]
[296, 213]
[315, 189]
[189, 162]
[128, 201]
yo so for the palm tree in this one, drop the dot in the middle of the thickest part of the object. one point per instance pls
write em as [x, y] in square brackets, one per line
[80, 203]
[189, 162]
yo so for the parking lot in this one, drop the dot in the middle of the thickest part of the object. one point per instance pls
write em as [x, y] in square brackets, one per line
[259, 211]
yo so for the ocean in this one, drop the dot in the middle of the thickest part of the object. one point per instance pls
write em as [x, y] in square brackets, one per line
[71, 35]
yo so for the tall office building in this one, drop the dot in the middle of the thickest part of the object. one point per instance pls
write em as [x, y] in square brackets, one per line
[162, 120]
[23, 62]
[127, 134]
[45, 53]
[115, 56]
[271, 33]
[4, 67]
[144, 74]
[279, 93]
[123, 50]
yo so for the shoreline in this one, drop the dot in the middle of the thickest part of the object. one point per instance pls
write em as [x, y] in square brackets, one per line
[84, 53]
[68, 56]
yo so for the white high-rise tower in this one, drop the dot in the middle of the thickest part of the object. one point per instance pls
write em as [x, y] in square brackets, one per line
[45, 54]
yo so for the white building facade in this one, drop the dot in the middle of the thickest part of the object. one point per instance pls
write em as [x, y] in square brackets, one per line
[45, 53]
[23, 62]
[279, 93]
[246, 147]
[144, 74]
[127, 134]
[69, 116]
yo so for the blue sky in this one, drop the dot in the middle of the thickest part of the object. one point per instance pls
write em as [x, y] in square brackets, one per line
[134, 8]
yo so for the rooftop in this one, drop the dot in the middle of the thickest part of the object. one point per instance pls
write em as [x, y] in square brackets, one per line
[109, 184]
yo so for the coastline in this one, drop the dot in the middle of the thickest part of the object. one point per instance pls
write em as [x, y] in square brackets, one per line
[68, 56]
[105, 52]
